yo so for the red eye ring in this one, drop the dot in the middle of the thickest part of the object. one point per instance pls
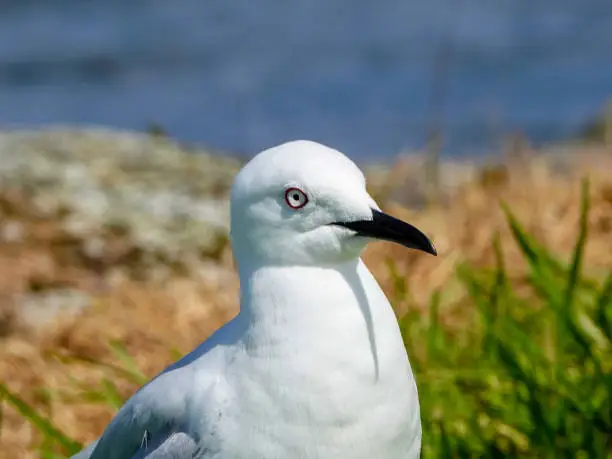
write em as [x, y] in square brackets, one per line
[295, 198]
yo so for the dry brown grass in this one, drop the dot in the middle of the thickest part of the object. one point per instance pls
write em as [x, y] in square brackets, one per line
[151, 318]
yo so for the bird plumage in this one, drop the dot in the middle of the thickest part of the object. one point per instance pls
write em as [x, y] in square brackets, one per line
[314, 365]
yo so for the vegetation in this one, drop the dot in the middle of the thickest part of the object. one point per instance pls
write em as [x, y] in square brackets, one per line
[529, 375]
[534, 377]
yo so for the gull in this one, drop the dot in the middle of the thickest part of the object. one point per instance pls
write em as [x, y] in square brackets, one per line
[314, 365]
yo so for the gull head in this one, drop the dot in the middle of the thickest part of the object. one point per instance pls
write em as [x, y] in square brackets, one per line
[302, 203]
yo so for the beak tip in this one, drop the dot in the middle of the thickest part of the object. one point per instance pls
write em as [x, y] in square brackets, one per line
[428, 247]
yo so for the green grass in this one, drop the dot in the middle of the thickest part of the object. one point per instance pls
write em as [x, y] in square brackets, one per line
[531, 376]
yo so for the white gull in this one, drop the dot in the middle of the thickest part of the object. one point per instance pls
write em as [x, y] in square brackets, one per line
[313, 366]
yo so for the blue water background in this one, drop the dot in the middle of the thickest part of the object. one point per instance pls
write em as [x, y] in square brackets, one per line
[242, 75]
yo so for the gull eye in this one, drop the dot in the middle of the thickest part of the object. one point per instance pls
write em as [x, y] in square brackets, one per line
[295, 198]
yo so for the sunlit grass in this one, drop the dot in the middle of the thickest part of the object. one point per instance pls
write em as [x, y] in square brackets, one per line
[531, 376]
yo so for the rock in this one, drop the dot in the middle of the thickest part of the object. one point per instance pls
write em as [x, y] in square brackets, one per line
[40, 309]
[169, 201]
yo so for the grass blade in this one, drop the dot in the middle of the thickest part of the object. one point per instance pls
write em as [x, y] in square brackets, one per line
[129, 364]
[603, 308]
[434, 336]
[576, 265]
[44, 425]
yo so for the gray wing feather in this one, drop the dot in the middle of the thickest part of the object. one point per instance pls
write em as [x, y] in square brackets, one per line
[174, 446]
[177, 445]
[159, 409]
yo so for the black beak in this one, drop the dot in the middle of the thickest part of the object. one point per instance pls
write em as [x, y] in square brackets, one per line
[388, 228]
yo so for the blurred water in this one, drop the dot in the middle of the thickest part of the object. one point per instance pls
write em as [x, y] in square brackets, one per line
[243, 75]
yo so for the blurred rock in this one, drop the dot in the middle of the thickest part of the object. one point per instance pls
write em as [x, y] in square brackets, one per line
[40, 309]
[117, 193]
